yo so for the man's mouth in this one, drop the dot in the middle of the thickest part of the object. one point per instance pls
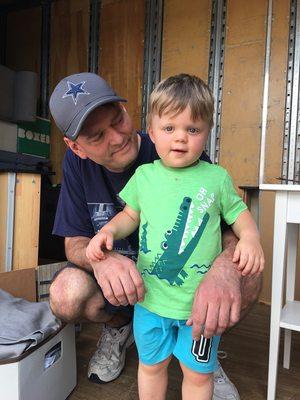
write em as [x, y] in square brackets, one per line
[123, 147]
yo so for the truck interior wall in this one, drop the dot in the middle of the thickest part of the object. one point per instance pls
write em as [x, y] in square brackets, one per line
[68, 55]
[23, 41]
[121, 51]
[186, 37]
[185, 48]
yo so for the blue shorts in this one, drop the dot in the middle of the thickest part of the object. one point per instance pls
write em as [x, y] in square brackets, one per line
[158, 337]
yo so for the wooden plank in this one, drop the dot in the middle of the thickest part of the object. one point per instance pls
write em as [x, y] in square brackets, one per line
[277, 90]
[3, 218]
[275, 131]
[69, 54]
[243, 89]
[26, 221]
[186, 37]
[122, 51]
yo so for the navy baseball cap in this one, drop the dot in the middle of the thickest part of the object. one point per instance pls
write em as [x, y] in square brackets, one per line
[75, 97]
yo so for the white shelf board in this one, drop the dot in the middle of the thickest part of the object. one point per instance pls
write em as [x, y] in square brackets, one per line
[290, 316]
[286, 188]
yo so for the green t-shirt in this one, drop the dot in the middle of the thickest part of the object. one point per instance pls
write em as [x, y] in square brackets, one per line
[179, 234]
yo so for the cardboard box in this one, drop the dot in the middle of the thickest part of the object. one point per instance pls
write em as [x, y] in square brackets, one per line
[20, 283]
[31, 138]
[27, 378]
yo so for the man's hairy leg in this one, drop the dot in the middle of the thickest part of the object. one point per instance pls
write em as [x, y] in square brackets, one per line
[224, 296]
[75, 297]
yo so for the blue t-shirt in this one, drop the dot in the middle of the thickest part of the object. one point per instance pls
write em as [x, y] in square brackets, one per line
[89, 196]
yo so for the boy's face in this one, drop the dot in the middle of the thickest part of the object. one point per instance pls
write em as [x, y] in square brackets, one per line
[179, 140]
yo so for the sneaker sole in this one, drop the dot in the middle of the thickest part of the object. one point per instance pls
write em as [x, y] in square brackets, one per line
[95, 378]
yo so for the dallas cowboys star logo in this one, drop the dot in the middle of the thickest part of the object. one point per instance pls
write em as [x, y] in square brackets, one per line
[74, 90]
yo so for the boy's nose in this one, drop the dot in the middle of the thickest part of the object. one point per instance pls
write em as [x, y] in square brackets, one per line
[180, 135]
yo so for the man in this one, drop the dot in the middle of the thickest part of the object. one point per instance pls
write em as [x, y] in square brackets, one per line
[103, 152]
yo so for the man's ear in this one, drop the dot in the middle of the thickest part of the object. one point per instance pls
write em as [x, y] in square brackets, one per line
[76, 148]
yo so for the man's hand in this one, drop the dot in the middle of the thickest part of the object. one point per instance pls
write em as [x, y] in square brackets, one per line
[217, 300]
[119, 279]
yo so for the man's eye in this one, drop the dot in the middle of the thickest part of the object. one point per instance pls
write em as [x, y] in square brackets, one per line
[168, 128]
[118, 121]
[98, 137]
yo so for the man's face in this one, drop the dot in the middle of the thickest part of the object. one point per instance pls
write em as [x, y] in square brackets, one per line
[108, 138]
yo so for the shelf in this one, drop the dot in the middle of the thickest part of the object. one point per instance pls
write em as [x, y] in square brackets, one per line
[290, 316]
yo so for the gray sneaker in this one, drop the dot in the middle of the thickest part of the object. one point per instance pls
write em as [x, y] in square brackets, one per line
[224, 389]
[108, 361]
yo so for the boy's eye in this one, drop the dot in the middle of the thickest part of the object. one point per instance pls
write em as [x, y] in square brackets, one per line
[193, 131]
[168, 128]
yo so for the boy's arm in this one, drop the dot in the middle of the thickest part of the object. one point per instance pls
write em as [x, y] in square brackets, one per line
[124, 223]
[244, 226]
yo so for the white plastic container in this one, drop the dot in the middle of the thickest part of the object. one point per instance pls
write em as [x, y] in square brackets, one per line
[28, 378]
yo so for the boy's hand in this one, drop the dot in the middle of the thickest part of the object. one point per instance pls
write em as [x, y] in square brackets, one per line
[103, 240]
[249, 254]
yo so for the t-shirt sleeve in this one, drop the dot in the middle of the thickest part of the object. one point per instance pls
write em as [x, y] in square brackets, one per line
[72, 215]
[129, 194]
[231, 203]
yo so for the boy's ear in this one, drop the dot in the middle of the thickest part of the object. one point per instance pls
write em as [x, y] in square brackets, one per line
[150, 133]
[76, 148]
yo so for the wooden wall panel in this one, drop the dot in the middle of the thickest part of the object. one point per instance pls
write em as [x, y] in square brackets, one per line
[186, 37]
[122, 51]
[243, 89]
[69, 54]
[277, 90]
[275, 130]
[26, 220]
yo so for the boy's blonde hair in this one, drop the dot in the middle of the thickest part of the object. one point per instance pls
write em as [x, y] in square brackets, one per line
[172, 95]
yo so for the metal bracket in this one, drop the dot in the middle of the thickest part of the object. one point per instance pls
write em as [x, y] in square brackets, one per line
[45, 59]
[95, 6]
[291, 145]
[152, 51]
[215, 74]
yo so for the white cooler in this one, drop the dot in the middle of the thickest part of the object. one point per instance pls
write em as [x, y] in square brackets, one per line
[28, 378]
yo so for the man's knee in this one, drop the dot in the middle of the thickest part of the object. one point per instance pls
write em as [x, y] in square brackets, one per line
[250, 287]
[70, 291]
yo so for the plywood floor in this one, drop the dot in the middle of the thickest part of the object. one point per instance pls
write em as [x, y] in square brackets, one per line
[246, 364]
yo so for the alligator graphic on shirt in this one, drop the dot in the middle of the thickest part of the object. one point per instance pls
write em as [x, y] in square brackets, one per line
[169, 264]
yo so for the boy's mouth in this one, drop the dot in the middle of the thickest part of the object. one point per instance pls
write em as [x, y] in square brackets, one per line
[179, 150]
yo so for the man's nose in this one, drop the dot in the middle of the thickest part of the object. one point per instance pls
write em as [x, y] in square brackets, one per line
[115, 135]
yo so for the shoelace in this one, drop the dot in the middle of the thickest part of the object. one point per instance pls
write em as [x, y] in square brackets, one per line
[105, 343]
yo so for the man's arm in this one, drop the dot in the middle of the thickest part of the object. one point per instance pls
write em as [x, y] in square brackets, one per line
[224, 296]
[117, 275]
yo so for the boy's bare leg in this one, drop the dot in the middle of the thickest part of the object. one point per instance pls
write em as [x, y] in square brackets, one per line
[196, 386]
[153, 380]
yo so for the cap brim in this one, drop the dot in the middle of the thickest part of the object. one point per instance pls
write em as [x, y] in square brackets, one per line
[77, 122]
